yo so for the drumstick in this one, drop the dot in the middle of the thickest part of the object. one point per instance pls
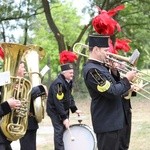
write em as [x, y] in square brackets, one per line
[72, 138]
[79, 118]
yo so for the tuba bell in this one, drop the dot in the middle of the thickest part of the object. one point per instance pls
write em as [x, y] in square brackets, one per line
[32, 56]
[14, 124]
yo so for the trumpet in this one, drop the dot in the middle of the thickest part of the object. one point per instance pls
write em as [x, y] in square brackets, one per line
[129, 64]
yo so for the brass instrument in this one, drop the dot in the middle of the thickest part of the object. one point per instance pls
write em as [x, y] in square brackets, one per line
[79, 48]
[127, 67]
[32, 56]
[14, 125]
[139, 82]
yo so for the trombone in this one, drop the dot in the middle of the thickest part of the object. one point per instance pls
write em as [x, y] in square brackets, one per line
[132, 60]
[139, 85]
[79, 47]
[128, 68]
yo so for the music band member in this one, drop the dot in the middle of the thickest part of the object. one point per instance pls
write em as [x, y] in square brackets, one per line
[108, 117]
[5, 108]
[60, 101]
[28, 141]
[126, 131]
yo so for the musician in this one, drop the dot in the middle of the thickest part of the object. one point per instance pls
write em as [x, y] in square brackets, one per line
[108, 117]
[60, 101]
[126, 131]
[5, 108]
[28, 141]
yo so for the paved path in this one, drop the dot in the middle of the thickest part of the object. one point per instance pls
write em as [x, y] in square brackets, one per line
[43, 130]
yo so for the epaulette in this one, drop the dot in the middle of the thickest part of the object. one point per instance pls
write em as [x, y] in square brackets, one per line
[102, 84]
[60, 94]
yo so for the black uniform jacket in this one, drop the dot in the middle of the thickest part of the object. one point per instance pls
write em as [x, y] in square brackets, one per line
[37, 91]
[106, 105]
[4, 110]
[4, 106]
[126, 101]
[60, 98]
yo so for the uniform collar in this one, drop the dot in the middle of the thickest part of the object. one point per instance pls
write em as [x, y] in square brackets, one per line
[63, 77]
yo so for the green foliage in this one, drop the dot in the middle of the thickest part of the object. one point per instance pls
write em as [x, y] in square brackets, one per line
[134, 20]
[28, 15]
[16, 17]
[68, 23]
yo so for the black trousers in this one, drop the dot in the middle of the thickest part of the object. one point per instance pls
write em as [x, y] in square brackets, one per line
[59, 129]
[28, 142]
[4, 143]
[5, 147]
[126, 132]
[108, 140]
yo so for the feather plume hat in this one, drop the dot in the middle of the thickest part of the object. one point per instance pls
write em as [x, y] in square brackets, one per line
[67, 58]
[104, 23]
[1, 57]
[119, 45]
[105, 26]
[1, 53]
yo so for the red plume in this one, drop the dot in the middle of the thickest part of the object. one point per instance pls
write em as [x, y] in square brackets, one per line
[67, 57]
[122, 44]
[113, 11]
[1, 53]
[104, 23]
[111, 47]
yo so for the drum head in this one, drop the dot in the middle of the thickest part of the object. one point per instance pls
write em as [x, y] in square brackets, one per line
[80, 137]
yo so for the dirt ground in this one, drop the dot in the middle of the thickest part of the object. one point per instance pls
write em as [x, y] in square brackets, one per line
[140, 136]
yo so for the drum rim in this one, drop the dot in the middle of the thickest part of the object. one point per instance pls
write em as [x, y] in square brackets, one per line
[91, 131]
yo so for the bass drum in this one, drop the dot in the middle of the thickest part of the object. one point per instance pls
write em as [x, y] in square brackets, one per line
[79, 137]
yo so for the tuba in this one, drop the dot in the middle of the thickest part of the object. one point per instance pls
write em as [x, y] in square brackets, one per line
[14, 124]
[32, 56]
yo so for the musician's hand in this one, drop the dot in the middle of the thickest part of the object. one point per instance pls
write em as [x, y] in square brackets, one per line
[137, 88]
[66, 123]
[131, 75]
[132, 88]
[114, 67]
[13, 103]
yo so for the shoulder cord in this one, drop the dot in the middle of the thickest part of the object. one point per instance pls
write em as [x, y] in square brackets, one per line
[95, 78]
[59, 88]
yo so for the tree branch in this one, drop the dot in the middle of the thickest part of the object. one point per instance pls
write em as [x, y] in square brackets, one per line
[59, 37]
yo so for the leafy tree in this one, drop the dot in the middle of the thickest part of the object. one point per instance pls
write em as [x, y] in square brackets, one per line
[68, 23]
[134, 21]
[60, 28]
[16, 16]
